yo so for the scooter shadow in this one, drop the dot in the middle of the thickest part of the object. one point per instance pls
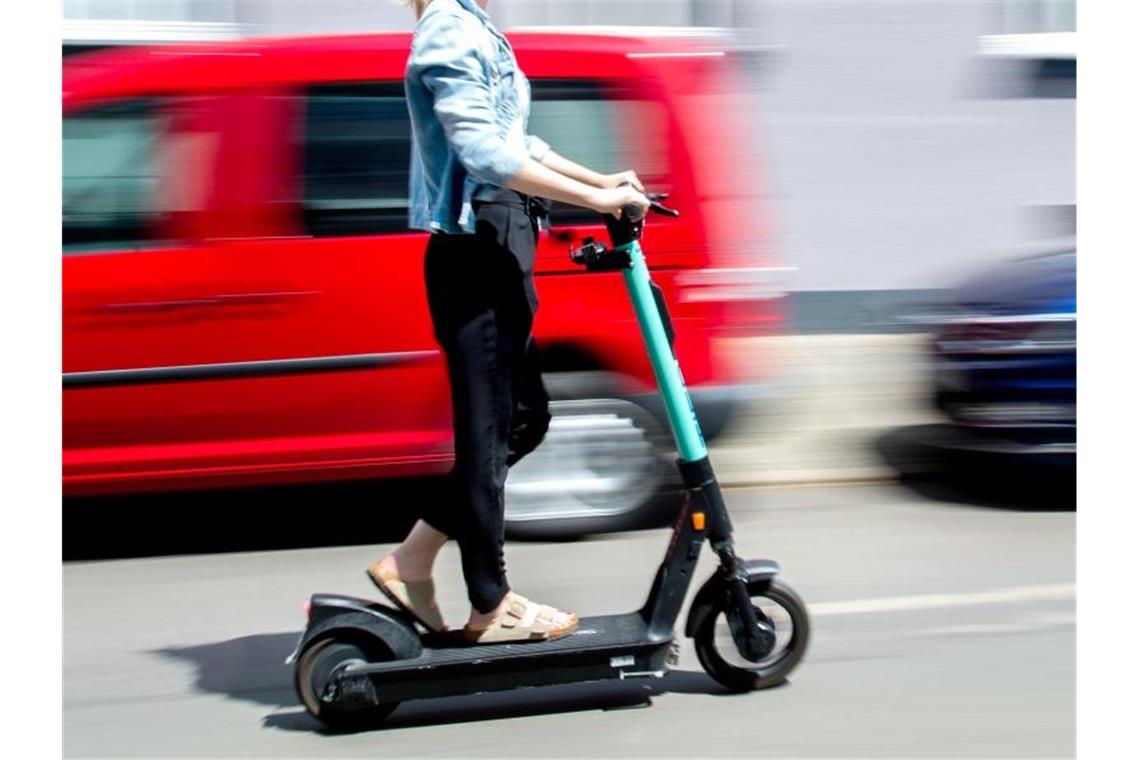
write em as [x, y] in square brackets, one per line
[252, 668]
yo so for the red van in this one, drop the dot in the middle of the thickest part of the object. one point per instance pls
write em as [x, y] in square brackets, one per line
[244, 304]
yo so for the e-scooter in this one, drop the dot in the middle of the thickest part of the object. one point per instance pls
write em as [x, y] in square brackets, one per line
[357, 660]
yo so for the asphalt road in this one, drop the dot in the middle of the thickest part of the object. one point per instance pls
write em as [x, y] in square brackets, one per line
[940, 629]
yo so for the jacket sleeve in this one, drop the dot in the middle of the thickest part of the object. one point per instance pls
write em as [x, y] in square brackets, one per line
[536, 147]
[445, 58]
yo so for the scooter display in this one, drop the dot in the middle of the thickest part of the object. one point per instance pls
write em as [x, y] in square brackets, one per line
[357, 660]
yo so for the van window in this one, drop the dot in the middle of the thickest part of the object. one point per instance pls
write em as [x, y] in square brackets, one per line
[356, 150]
[595, 125]
[110, 176]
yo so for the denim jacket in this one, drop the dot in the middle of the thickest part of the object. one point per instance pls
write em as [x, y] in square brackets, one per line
[469, 104]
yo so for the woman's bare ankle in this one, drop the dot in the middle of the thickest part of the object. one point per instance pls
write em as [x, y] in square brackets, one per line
[414, 559]
[405, 568]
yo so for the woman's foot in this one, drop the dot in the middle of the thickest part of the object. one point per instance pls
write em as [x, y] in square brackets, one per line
[519, 619]
[412, 590]
[404, 576]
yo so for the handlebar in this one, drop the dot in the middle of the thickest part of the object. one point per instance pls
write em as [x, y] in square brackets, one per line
[597, 258]
[633, 212]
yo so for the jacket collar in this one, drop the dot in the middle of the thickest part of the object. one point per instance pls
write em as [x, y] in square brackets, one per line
[473, 6]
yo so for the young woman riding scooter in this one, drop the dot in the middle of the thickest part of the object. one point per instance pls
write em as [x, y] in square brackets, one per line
[476, 181]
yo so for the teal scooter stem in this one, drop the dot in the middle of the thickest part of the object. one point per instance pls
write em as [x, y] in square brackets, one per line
[678, 405]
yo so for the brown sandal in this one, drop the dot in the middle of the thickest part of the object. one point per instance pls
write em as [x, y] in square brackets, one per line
[523, 620]
[417, 598]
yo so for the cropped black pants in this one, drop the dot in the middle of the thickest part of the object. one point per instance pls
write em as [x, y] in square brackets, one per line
[482, 299]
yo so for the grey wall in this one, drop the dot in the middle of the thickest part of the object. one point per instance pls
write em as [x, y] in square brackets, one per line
[293, 16]
[896, 157]
[275, 17]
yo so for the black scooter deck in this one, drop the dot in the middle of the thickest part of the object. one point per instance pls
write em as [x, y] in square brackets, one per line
[611, 646]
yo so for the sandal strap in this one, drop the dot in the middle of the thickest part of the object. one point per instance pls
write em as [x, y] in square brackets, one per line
[522, 620]
[546, 619]
[517, 611]
[522, 612]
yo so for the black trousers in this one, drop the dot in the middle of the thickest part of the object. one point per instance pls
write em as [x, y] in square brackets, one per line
[482, 298]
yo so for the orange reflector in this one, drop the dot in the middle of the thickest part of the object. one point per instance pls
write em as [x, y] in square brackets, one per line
[698, 521]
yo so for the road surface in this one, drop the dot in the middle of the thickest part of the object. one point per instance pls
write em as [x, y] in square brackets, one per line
[940, 629]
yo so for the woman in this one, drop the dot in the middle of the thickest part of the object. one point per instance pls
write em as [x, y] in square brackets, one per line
[475, 176]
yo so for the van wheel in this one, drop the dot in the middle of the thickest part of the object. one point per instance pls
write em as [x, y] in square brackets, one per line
[602, 467]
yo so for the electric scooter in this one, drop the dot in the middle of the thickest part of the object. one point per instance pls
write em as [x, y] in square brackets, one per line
[357, 660]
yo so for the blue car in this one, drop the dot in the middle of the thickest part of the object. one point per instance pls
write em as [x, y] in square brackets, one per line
[1005, 366]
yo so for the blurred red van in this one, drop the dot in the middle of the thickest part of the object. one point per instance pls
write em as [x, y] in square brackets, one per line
[243, 302]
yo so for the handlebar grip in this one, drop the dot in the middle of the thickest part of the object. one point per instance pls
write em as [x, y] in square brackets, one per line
[633, 212]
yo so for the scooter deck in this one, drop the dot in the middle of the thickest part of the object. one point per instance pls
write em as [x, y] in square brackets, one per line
[605, 647]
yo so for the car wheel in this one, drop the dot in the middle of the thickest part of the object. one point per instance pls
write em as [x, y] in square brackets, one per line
[602, 467]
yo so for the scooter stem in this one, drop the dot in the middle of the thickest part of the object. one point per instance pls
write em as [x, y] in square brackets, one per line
[678, 405]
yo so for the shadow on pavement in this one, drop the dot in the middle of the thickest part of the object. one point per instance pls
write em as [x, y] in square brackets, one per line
[976, 478]
[249, 519]
[252, 668]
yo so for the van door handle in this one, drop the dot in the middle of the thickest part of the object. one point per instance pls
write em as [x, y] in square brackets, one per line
[564, 235]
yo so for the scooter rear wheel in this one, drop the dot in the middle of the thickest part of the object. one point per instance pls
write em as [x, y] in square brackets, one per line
[717, 651]
[317, 663]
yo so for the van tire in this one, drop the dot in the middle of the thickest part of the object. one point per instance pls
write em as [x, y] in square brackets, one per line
[604, 466]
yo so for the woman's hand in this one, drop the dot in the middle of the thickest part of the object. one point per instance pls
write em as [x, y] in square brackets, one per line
[620, 178]
[611, 200]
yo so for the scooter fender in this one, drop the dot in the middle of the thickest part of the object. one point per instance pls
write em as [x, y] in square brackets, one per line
[332, 612]
[758, 574]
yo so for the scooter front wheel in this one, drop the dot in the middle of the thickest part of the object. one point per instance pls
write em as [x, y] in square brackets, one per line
[718, 654]
[324, 698]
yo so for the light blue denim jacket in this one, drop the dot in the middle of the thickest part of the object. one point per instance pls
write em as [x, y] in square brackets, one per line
[469, 104]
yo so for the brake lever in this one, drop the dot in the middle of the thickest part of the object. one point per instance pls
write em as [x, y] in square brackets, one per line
[654, 206]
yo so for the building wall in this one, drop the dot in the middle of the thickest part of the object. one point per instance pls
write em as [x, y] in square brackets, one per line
[291, 16]
[898, 157]
[275, 17]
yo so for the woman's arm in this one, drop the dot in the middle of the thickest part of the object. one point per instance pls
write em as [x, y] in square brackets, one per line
[568, 168]
[538, 178]
[545, 185]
